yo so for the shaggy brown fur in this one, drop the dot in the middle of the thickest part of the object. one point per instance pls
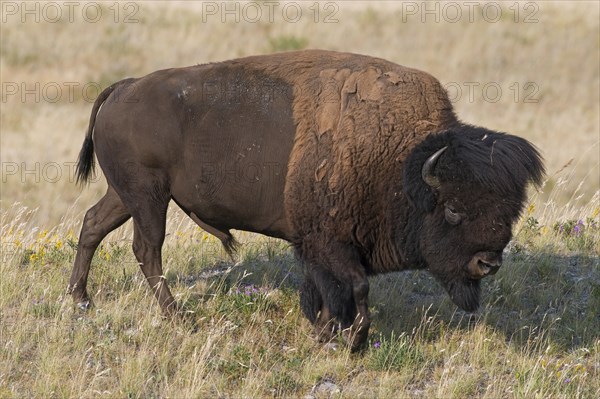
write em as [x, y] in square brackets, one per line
[357, 118]
[319, 148]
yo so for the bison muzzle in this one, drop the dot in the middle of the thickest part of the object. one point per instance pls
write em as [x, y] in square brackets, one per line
[360, 163]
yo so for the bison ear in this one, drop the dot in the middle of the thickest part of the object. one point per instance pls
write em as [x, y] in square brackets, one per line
[420, 194]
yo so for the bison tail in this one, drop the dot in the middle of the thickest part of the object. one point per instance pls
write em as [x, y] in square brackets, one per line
[86, 161]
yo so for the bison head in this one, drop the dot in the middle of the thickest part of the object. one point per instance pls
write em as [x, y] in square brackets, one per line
[467, 187]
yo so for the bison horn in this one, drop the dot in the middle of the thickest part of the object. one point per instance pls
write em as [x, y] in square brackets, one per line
[427, 171]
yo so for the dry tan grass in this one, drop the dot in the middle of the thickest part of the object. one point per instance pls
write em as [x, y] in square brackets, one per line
[559, 54]
[535, 337]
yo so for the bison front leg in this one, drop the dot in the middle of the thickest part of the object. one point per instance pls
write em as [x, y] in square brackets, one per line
[317, 311]
[343, 286]
[356, 335]
[345, 264]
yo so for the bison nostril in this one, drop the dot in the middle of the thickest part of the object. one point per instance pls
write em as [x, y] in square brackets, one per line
[488, 267]
[485, 268]
[483, 264]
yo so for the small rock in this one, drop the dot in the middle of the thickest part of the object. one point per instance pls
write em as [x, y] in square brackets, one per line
[84, 306]
[330, 346]
[327, 388]
[156, 321]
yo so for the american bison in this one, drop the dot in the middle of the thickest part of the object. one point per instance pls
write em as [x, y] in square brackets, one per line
[360, 163]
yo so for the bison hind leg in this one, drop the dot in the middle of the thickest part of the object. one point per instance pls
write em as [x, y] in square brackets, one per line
[108, 214]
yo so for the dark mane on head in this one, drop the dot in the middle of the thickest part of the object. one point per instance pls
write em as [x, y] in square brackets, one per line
[499, 162]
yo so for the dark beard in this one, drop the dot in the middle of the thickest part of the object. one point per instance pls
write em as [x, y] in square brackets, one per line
[464, 293]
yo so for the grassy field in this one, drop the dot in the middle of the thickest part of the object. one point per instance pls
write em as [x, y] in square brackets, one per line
[536, 335]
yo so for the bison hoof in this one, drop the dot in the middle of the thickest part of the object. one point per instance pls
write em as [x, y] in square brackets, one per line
[189, 320]
[355, 339]
[327, 331]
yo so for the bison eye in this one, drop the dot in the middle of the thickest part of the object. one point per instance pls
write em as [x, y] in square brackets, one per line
[452, 216]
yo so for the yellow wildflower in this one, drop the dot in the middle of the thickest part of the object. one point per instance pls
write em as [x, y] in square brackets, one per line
[530, 208]
[37, 256]
[41, 236]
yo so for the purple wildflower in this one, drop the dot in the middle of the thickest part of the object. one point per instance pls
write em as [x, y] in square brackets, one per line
[577, 229]
[567, 380]
[249, 290]
[377, 345]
